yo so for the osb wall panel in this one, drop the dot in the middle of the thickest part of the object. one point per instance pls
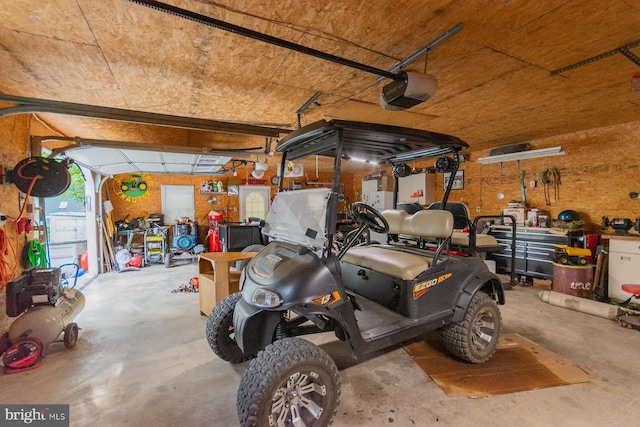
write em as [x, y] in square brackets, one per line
[126, 207]
[600, 169]
[151, 202]
[14, 137]
[597, 174]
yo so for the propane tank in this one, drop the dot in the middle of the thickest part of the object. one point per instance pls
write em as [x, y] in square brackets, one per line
[48, 321]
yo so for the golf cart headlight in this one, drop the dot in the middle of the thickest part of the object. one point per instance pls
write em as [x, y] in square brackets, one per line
[241, 281]
[266, 299]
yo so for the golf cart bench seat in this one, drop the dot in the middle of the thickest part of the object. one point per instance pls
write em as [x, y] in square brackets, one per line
[484, 242]
[399, 261]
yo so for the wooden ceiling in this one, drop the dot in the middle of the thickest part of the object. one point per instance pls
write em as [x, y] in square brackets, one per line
[495, 86]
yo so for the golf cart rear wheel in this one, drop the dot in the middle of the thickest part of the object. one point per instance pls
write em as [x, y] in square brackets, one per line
[474, 339]
[291, 382]
[220, 334]
[70, 335]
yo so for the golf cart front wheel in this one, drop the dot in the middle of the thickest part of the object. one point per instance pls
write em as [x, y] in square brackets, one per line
[220, 333]
[474, 339]
[291, 382]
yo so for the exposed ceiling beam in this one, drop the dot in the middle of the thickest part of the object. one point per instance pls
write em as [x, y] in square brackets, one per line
[33, 105]
[77, 142]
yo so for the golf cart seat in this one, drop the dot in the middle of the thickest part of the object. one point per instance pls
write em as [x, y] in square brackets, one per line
[459, 210]
[461, 239]
[484, 242]
[399, 260]
[411, 208]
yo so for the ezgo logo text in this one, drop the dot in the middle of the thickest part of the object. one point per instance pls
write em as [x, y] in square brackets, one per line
[35, 415]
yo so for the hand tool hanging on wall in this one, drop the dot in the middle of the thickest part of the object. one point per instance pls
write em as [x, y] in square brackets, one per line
[522, 188]
[549, 177]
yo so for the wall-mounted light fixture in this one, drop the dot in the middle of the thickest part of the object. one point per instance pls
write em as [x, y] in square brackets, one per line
[522, 155]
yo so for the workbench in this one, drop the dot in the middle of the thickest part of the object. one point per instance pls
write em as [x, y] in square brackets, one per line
[215, 278]
[533, 248]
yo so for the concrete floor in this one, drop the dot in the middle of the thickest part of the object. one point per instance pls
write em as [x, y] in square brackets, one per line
[142, 360]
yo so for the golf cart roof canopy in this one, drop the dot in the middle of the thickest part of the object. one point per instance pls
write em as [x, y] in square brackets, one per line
[367, 141]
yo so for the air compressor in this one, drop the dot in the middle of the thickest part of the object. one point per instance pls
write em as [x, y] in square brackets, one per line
[44, 310]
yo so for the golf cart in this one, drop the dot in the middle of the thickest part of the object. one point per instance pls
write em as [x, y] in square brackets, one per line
[372, 295]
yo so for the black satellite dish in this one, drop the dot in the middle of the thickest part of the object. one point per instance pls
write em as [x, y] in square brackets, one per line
[43, 176]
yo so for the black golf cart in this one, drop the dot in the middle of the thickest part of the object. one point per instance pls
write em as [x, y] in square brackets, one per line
[371, 295]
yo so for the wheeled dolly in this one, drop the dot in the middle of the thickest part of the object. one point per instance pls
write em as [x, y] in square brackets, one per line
[631, 321]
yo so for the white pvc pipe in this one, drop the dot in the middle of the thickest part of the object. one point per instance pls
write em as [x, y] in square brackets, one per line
[583, 305]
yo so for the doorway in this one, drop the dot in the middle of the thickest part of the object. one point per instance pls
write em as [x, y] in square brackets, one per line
[254, 201]
[177, 202]
[64, 221]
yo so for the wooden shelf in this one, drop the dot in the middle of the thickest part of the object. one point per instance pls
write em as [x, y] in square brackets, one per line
[216, 281]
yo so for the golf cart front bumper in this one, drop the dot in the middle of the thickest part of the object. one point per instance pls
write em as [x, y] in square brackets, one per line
[253, 327]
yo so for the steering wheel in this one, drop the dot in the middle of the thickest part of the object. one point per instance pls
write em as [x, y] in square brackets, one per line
[369, 217]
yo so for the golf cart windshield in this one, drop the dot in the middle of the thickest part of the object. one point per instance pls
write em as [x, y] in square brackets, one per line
[299, 217]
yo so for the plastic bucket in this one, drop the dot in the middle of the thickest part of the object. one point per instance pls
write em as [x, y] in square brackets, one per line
[84, 261]
[573, 280]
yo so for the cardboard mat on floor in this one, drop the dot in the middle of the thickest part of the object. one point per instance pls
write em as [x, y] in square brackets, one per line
[518, 365]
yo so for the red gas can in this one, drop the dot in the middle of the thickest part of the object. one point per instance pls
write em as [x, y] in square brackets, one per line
[212, 236]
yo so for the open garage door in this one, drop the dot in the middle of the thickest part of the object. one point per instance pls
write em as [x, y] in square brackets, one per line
[104, 159]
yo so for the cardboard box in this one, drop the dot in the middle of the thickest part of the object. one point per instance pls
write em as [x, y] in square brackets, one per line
[386, 183]
[520, 215]
[542, 284]
[538, 218]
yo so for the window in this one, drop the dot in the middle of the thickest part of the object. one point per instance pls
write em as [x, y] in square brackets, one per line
[254, 201]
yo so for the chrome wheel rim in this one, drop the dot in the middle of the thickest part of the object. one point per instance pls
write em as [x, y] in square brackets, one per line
[483, 330]
[299, 401]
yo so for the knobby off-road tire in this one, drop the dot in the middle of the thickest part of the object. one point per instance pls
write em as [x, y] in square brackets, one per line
[220, 334]
[474, 339]
[291, 382]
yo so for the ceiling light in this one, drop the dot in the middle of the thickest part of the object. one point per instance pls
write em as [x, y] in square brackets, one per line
[355, 159]
[522, 155]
